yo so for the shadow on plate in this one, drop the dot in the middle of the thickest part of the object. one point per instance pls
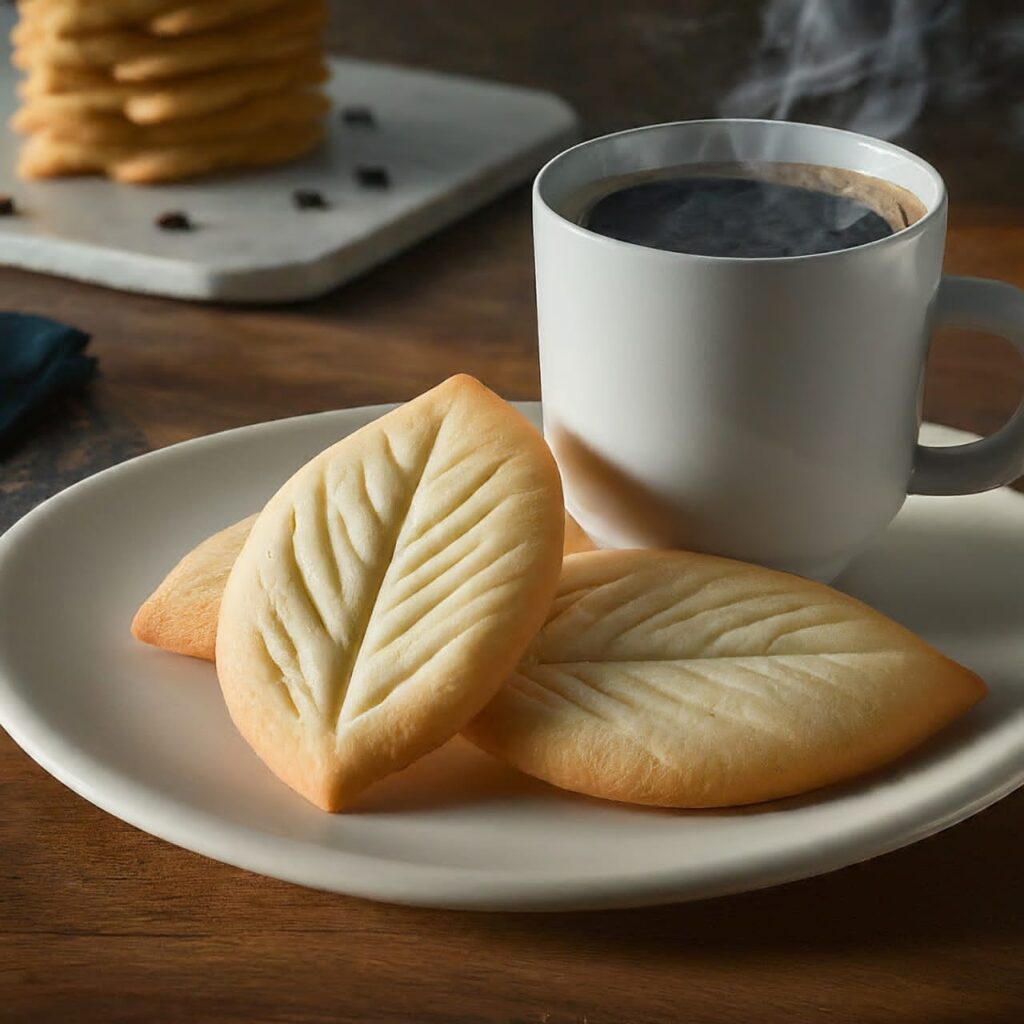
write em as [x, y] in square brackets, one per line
[457, 775]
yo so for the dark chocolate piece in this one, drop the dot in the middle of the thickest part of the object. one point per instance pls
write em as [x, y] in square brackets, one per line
[309, 199]
[373, 177]
[174, 220]
[361, 116]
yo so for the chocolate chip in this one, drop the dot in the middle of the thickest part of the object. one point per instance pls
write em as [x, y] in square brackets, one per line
[361, 116]
[7, 207]
[373, 177]
[174, 220]
[309, 199]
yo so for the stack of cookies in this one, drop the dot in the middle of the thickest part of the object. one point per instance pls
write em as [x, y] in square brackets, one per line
[162, 90]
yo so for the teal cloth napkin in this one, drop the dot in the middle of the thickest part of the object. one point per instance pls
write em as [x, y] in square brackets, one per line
[39, 359]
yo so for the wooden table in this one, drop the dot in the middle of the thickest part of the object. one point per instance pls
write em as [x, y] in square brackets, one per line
[99, 922]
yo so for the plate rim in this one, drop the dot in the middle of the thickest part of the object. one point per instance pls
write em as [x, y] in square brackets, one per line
[431, 885]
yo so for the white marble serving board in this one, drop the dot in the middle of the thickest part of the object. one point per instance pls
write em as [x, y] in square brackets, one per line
[449, 144]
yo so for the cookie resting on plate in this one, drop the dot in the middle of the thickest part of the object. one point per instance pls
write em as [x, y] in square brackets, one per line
[387, 590]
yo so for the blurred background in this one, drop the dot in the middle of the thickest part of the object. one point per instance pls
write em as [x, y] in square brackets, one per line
[943, 77]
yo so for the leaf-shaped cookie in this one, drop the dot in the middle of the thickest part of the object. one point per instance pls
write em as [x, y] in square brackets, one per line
[685, 680]
[388, 588]
[181, 614]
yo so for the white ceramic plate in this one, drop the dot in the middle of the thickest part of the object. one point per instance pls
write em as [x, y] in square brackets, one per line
[145, 735]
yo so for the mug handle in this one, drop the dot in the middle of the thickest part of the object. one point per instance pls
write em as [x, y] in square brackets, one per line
[996, 308]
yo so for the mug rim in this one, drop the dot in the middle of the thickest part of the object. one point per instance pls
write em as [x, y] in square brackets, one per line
[933, 211]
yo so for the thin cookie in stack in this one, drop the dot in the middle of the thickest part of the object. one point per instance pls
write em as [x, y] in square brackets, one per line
[160, 90]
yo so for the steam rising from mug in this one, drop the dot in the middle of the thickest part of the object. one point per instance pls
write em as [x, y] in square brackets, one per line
[868, 63]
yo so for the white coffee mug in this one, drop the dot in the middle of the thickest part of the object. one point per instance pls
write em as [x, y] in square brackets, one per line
[764, 409]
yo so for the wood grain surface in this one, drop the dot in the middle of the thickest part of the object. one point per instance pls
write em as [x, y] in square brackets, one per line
[102, 923]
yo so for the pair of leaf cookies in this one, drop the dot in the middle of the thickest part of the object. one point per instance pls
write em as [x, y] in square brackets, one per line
[148, 91]
[409, 583]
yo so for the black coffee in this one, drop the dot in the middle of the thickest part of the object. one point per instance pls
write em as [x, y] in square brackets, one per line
[733, 216]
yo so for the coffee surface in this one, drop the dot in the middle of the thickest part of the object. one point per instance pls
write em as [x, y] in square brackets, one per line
[711, 215]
